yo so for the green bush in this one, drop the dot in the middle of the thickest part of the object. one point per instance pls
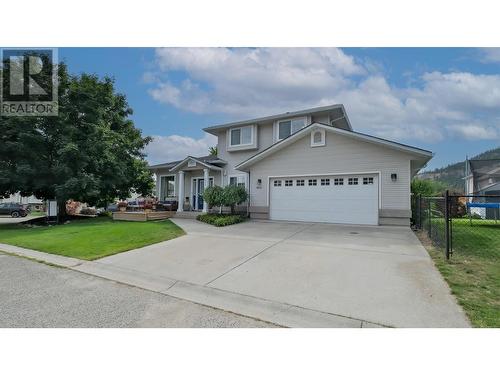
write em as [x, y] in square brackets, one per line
[234, 195]
[220, 220]
[214, 196]
[229, 196]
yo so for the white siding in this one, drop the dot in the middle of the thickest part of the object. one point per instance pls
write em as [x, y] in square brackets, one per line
[340, 155]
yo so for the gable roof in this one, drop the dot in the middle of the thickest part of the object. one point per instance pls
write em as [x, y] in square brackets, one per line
[208, 159]
[420, 154]
[197, 160]
[315, 110]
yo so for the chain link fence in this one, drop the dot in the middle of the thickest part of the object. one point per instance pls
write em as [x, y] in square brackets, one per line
[460, 223]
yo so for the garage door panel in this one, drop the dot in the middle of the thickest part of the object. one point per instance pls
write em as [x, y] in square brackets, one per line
[349, 204]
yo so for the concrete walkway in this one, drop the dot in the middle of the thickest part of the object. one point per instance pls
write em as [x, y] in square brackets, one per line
[295, 274]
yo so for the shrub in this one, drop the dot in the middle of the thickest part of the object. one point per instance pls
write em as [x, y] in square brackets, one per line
[220, 220]
[427, 188]
[233, 195]
[88, 211]
[214, 196]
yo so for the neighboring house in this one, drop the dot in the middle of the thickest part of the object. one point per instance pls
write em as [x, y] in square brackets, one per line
[482, 177]
[301, 166]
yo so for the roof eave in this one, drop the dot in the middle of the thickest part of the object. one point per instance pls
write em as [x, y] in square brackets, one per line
[424, 155]
[214, 129]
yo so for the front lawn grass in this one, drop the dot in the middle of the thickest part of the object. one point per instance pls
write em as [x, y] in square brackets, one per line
[91, 238]
[473, 272]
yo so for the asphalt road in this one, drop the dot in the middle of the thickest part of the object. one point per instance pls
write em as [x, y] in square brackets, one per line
[38, 295]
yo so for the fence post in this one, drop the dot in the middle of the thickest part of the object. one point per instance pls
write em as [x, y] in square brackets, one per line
[429, 216]
[419, 211]
[447, 223]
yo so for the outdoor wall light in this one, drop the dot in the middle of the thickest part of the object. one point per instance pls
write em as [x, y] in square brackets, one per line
[259, 183]
[394, 176]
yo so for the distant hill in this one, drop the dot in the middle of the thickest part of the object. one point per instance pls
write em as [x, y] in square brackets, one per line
[453, 174]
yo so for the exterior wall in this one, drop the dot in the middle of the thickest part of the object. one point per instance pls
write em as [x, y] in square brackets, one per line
[340, 155]
[264, 140]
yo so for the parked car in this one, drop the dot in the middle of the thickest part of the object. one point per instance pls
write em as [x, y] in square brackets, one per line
[13, 209]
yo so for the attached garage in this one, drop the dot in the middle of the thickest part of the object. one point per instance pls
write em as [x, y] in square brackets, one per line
[345, 199]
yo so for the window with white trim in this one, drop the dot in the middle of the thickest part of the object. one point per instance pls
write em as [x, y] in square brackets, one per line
[318, 138]
[353, 181]
[367, 180]
[167, 187]
[325, 182]
[288, 182]
[299, 183]
[313, 182]
[241, 136]
[338, 181]
[277, 183]
[238, 180]
[290, 126]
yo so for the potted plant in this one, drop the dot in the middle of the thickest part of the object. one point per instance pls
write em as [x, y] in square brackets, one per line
[122, 206]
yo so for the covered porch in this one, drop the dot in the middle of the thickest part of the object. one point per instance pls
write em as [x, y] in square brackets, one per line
[186, 180]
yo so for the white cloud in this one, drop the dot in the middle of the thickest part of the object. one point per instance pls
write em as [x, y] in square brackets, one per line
[490, 55]
[176, 147]
[473, 131]
[244, 83]
[252, 82]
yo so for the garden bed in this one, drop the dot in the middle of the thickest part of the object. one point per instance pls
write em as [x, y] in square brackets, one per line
[221, 220]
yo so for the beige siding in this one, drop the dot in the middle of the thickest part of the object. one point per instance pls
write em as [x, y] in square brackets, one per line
[340, 155]
[233, 158]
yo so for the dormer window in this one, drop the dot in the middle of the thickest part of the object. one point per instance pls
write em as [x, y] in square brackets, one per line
[241, 136]
[290, 126]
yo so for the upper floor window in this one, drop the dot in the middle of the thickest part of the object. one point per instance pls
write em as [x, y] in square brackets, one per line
[288, 127]
[241, 136]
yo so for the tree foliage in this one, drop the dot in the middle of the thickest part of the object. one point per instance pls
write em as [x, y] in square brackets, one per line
[91, 152]
[427, 188]
[212, 150]
[214, 196]
[234, 195]
[229, 196]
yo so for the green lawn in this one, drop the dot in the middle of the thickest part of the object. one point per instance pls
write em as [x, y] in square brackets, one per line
[473, 272]
[90, 239]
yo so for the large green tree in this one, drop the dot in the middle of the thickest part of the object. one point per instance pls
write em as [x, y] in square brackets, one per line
[90, 152]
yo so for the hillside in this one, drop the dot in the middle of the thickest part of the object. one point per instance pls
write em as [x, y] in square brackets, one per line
[452, 175]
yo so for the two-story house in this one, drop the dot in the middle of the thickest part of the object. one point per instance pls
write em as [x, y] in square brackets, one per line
[308, 165]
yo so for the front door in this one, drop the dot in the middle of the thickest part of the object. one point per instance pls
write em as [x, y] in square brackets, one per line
[200, 189]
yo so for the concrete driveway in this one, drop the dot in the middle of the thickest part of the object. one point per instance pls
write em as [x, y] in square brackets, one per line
[299, 274]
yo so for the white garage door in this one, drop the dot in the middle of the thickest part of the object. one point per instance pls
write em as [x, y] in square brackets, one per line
[349, 199]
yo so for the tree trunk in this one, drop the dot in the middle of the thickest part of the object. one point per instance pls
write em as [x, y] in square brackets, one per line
[61, 211]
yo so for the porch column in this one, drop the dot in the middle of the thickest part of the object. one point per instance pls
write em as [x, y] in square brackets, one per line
[180, 196]
[205, 184]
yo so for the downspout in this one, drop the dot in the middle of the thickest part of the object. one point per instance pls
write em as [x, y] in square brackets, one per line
[248, 199]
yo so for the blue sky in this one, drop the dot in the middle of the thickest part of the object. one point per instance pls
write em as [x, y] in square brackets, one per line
[446, 100]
